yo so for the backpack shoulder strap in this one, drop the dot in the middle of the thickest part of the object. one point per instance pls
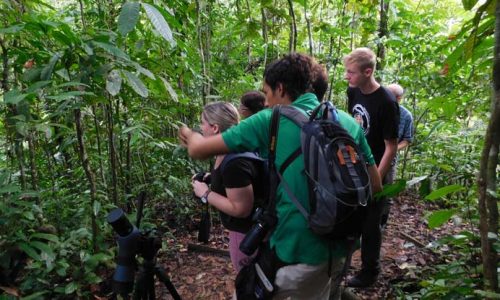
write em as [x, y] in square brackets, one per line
[294, 114]
[231, 156]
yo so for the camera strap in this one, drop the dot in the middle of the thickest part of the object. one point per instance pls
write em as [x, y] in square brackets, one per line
[273, 175]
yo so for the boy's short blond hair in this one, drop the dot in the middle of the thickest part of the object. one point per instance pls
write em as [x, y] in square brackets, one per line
[363, 57]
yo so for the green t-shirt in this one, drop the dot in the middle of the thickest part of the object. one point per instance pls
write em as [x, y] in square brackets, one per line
[293, 240]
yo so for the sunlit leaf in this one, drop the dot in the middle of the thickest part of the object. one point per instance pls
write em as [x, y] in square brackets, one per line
[128, 17]
[159, 23]
[69, 95]
[391, 190]
[439, 217]
[170, 90]
[416, 180]
[136, 84]
[444, 191]
[113, 82]
[469, 4]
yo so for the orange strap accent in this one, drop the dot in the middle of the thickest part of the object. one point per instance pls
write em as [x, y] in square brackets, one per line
[341, 157]
[352, 153]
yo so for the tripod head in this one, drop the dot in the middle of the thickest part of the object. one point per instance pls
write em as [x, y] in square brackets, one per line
[131, 242]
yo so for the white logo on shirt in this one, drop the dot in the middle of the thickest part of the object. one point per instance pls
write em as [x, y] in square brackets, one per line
[362, 116]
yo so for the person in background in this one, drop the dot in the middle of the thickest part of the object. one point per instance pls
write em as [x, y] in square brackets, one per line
[233, 190]
[377, 111]
[251, 102]
[306, 255]
[405, 133]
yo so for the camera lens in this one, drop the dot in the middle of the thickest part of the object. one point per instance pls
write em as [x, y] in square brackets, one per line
[118, 220]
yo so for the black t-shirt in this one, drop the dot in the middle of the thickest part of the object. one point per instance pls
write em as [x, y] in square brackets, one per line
[378, 114]
[239, 172]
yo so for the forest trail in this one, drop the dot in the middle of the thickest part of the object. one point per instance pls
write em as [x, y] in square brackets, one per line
[204, 275]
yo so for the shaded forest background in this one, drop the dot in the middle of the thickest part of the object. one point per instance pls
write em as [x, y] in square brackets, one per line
[93, 92]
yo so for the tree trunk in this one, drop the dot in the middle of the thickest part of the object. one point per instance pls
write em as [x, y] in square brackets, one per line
[264, 33]
[309, 33]
[98, 140]
[292, 45]
[32, 158]
[205, 85]
[382, 32]
[112, 153]
[88, 172]
[487, 178]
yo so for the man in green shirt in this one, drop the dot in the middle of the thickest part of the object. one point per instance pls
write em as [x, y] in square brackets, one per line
[285, 82]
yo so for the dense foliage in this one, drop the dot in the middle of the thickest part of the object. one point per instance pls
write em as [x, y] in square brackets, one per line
[94, 91]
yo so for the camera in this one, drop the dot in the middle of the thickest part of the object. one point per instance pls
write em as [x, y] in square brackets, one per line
[132, 242]
[264, 222]
[200, 176]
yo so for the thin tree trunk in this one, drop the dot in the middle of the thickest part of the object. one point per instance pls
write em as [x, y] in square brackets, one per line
[20, 160]
[382, 32]
[33, 169]
[249, 46]
[112, 153]
[98, 140]
[292, 45]
[309, 33]
[264, 33]
[487, 178]
[88, 173]
[204, 85]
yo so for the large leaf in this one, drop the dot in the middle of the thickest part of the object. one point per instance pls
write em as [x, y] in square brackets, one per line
[70, 95]
[111, 49]
[439, 217]
[469, 4]
[159, 23]
[37, 85]
[170, 90]
[29, 250]
[443, 191]
[136, 84]
[47, 70]
[113, 82]
[128, 17]
[391, 190]
[13, 97]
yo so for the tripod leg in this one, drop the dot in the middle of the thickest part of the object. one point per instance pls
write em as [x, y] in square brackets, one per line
[163, 277]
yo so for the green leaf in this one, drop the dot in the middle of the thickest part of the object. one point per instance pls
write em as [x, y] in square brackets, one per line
[136, 84]
[439, 217]
[46, 236]
[159, 23]
[13, 97]
[444, 191]
[37, 85]
[12, 29]
[35, 296]
[128, 17]
[111, 49]
[144, 71]
[469, 4]
[29, 250]
[113, 82]
[9, 189]
[416, 180]
[71, 288]
[70, 95]
[170, 90]
[47, 70]
[96, 207]
[391, 190]
[43, 247]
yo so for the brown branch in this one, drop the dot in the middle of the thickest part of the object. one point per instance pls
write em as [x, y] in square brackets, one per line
[201, 248]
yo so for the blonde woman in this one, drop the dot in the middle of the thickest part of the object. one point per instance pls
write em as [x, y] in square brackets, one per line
[234, 189]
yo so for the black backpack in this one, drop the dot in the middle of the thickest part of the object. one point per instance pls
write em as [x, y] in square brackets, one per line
[260, 190]
[338, 180]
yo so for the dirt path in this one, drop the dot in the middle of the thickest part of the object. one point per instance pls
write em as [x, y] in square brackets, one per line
[202, 275]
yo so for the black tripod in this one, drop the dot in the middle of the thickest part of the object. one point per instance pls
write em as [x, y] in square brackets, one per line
[145, 283]
[132, 242]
